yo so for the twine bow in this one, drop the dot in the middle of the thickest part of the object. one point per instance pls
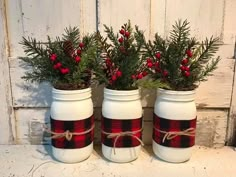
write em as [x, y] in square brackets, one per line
[120, 134]
[172, 134]
[67, 134]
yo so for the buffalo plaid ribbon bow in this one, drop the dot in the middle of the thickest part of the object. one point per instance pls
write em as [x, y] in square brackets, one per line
[121, 133]
[174, 133]
[72, 134]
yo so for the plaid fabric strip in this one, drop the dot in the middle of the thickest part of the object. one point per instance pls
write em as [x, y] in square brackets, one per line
[167, 125]
[77, 141]
[117, 126]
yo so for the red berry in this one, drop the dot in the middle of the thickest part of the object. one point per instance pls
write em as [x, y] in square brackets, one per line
[158, 55]
[150, 64]
[57, 65]
[127, 34]
[184, 61]
[187, 68]
[187, 73]
[158, 70]
[113, 78]
[53, 57]
[118, 73]
[144, 73]
[121, 40]
[133, 76]
[182, 68]
[140, 76]
[79, 52]
[77, 59]
[189, 53]
[108, 62]
[157, 64]
[122, 31]
[64, 70]
[165, 73]
[149, 60]
[81, 45]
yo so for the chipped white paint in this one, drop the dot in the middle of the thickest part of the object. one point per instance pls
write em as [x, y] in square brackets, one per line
[205, 162]
[6, 132]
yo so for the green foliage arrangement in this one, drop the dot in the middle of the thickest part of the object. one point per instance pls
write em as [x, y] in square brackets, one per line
[180, 62]
[120, 57]
[65, 62]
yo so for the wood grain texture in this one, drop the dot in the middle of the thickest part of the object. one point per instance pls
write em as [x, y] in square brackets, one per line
[211, 126]
[7, 114]
[116, 13]
[15, 27]
[230, 37]
[229, 34]
[206, 17]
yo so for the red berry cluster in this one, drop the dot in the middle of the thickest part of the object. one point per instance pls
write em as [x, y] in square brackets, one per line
[153, 64]
[185, 64]
[124, 36]
[112, 72]
[58, 65]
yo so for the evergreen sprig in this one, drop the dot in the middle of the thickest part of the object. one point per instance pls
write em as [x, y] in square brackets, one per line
[65, 62]
[120, 57]
[181, 61]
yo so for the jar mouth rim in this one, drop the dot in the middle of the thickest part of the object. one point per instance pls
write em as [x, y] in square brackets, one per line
[175, 92]
[121, 92]
[54, 90]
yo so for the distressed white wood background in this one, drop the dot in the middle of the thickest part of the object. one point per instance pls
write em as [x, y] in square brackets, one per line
[35, 18]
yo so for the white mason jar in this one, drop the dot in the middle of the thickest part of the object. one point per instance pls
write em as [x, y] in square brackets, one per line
[121, 105]
[69, 106]
[178, 107]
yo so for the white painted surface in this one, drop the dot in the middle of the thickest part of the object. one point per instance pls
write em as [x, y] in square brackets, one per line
[205, 162]
[72, 105]
[121, 105]
[174, 105]
[49, 17]
[6, 127]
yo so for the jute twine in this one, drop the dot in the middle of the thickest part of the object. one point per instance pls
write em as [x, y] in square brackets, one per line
[67, 134]
[172, 134]
[120, 134]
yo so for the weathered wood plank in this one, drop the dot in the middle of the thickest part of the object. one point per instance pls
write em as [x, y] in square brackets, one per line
[229, 34]
[15, 27]
[114, 13]
[7, 114]
[41, 18]
[157, 18]
[230, 37]
[211, 126]
[205, 17]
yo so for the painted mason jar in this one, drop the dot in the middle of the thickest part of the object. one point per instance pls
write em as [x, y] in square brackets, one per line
[72, 125]
[174, 125]
[121, 125]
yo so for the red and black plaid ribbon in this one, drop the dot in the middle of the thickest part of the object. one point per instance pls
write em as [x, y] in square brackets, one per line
[77, 141]
[118, 126]
[167, 125]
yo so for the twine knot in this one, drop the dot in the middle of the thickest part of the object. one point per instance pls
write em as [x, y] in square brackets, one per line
[120, 134]
[67, 134]
[172, 134]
